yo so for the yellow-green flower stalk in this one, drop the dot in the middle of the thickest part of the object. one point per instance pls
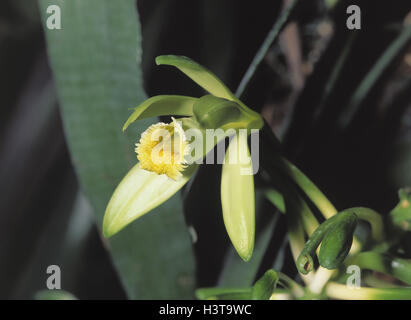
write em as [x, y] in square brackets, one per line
[163, 149]
[344, 292]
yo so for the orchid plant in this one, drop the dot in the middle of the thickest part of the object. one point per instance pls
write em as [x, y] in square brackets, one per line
[167, 161]
[159, 175]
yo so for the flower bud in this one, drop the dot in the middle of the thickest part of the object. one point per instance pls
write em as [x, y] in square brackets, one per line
[335, 236]
[337, 240]
[237, 198]
[213, 112]
[264, 287]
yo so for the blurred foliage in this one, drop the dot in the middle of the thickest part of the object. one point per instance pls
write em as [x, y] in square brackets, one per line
[97, 83]
[54, 295]
[302, 87]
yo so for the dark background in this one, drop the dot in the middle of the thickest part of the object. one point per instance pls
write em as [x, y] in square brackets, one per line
[364, 164]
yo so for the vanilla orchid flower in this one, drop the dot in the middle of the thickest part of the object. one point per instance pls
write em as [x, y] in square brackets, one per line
[162, 150]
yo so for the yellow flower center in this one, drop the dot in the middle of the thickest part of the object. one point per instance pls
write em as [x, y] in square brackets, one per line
[162, 148]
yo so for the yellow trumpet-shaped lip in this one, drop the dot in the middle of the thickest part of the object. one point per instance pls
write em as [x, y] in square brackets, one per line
[162, 148]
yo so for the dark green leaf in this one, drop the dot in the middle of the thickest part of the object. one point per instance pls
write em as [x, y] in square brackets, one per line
[98, 78]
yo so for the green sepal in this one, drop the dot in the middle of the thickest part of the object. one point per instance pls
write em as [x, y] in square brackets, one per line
[138, 193]
[237, 198]
[384, 263]
[199, 74]
[389, 294]
[212, 112]
[264, 287]
[162, 105]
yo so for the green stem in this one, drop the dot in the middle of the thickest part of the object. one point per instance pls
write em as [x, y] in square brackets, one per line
[298, 213]
[375, 281]
[294, 287]
[281, 295]
[276, 199]
[310, 189]
[334, 76]
[373, 75]
[373, 218]
[314, 193]
[342, 291]
[321, 277]
[396, 267]
[295, 230]
[310, 223]
[223, 293]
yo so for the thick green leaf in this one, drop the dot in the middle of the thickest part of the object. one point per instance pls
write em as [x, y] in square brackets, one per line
[237, 197]
[162, 105]
[98, 78]
[202, 76]
[139, 192]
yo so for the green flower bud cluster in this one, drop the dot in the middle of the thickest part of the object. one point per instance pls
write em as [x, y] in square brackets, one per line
[335, 236]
